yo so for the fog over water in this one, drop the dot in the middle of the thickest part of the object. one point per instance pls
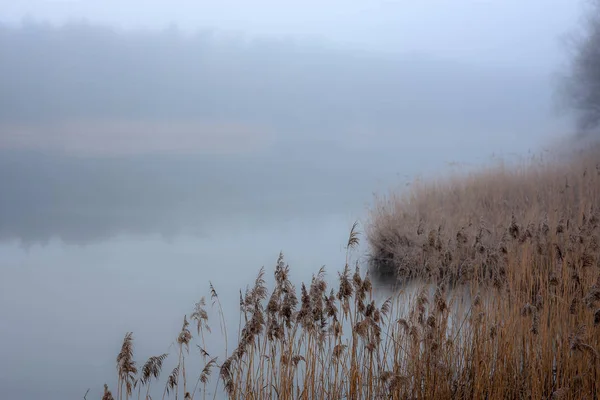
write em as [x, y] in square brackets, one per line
[137, 165]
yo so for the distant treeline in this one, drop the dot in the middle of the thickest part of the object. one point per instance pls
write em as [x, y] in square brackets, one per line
[83, 71]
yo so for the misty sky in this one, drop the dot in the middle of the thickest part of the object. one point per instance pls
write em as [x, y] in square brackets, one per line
[139, 159]
[504, 32]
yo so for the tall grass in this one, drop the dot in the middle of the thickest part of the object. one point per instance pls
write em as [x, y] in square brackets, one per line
[507, 268]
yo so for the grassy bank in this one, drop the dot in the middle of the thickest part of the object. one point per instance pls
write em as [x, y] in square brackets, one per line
[522, 244]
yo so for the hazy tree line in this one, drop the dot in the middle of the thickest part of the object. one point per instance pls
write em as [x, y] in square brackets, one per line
[80, 70]
[583, 82]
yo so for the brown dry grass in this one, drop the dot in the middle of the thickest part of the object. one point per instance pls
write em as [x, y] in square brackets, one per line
[454, 228]
[523, 244]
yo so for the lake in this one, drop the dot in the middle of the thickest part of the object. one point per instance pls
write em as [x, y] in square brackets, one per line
[78, 272]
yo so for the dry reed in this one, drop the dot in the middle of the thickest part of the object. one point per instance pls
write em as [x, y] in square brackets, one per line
[507, 305]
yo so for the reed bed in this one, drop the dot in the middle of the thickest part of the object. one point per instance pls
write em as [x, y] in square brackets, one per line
[498, 297]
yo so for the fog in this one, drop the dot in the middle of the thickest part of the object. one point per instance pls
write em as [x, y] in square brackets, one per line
[104, 132]
[137, 165]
